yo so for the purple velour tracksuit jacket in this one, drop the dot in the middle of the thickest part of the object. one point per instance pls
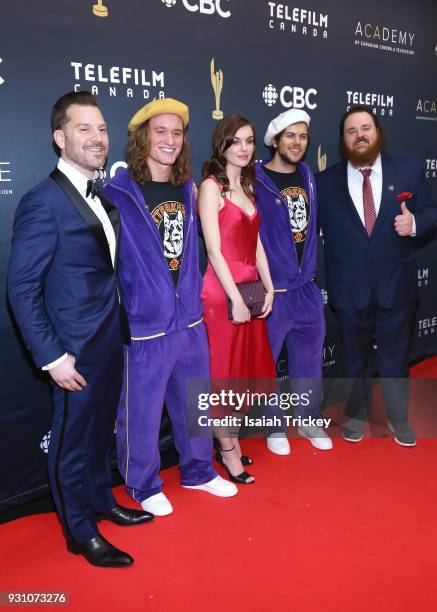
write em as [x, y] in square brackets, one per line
[275, 231]
[152, 302]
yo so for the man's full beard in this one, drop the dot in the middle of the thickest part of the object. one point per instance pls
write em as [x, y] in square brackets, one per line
[363, 158]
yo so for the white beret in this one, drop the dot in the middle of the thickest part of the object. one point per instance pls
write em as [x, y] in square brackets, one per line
[282, 121]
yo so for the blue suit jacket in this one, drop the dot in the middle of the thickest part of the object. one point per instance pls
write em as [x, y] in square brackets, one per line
[382, 265]
[62, 285]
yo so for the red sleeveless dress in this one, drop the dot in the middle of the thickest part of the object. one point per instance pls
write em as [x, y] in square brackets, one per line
[237, 351]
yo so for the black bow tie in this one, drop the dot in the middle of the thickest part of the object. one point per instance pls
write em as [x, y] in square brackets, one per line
[93, 187]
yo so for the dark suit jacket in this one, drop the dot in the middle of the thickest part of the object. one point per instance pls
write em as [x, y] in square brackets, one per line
[383, 266]
[62, 285]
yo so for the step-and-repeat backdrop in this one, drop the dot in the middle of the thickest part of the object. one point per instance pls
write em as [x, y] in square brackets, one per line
[252, 57]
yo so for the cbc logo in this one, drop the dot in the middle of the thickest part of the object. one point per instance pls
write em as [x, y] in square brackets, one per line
[270, 94]
[45, 442]
[1, 80]
[207, 7]
[290, 97]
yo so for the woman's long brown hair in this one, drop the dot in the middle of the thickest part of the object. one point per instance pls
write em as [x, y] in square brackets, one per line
[222, 139]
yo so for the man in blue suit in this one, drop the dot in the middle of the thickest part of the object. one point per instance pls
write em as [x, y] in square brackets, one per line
[63, 290]
[370, 209]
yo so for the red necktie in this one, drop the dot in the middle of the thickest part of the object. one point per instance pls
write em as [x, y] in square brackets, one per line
[368, 203]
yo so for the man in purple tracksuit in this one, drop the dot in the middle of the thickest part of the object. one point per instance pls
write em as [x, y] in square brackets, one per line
[286, 200]
[160, 280]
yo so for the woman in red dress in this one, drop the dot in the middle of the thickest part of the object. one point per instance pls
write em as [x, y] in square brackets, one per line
[239, 348]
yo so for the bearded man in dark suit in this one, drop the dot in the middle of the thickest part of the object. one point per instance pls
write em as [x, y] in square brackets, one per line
[370, 265]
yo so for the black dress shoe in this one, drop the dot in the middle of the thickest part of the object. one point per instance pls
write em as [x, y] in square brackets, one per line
[100, 552]
[125, 516]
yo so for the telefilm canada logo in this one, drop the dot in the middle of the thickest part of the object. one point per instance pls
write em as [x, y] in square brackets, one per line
[5, 179]
[290, 96]
[294, 20]
[379, 103]
[426, 109]
[206, 7]
[427, 326]
[384, 38]
[431, 168]
[422, 277]
[119, 81]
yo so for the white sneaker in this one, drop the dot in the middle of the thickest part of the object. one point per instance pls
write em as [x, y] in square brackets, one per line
[217, 486]
[317, 436]
[278, 444]
[158, 505]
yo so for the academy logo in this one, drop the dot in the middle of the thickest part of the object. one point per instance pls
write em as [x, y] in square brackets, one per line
[426, 109]
[384, 38]
[328, 355]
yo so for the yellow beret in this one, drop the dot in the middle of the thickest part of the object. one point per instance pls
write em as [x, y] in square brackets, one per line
[160, 107]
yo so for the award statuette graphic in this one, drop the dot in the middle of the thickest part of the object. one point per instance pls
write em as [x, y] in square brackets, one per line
[99, 10]
[322, 160]
[217, 85]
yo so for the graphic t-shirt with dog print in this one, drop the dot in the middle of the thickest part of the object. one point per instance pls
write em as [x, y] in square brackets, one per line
[293, 191]
[165, 204]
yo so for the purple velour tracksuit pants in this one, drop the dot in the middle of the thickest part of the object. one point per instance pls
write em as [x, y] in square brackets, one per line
[297, 320]
[158, 370]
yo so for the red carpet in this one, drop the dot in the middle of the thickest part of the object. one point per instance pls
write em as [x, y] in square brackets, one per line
[346, 530]
[425, 369]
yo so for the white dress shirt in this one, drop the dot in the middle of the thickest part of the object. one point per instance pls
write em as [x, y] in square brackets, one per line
[355, 184]
[80, 182]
